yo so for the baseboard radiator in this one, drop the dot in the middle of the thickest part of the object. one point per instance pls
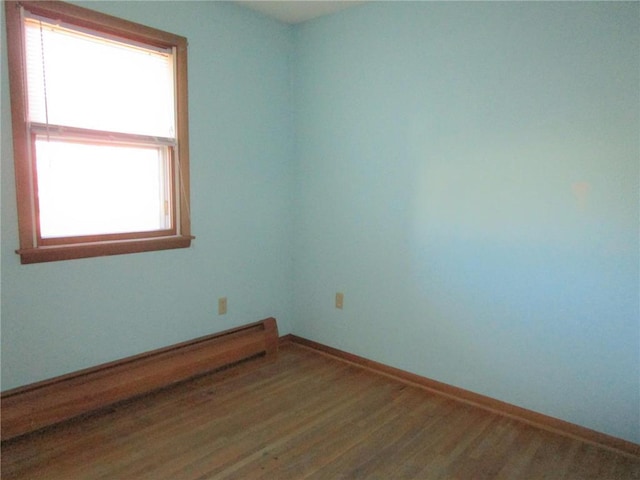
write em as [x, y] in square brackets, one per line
[42, 404]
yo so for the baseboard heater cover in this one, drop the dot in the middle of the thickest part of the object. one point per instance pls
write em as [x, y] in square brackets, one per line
[42, 404]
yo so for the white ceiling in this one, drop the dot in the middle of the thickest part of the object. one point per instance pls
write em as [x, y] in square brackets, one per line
[297, 11]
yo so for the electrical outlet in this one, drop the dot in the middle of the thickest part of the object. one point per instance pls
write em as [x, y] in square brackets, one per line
[339, 300]
[222, 305]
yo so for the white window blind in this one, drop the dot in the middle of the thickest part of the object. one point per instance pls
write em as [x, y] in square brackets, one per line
[97, 83]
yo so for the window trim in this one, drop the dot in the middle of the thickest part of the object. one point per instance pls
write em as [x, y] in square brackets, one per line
[91, 246]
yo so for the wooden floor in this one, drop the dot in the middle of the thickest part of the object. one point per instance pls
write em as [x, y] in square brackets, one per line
[303, 415]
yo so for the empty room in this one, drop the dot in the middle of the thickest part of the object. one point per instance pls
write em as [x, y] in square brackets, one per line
[290, 240]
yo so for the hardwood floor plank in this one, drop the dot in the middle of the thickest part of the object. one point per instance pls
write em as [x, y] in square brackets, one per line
[305, 453]
[521, 454]
[198, 444]
[303, 416]
[317, 415]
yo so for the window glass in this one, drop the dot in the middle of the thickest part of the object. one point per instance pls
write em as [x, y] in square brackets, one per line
[87, 189]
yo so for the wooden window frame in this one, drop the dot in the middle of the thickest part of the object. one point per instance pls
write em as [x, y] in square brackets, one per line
[32, 249]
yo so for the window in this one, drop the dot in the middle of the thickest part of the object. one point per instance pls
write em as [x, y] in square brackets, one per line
[100, 138]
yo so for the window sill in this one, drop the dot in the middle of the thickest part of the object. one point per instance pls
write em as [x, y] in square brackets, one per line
[101, 249]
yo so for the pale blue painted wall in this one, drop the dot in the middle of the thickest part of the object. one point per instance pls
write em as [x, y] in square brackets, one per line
[440, 151]
[62, 316]
[468, 177]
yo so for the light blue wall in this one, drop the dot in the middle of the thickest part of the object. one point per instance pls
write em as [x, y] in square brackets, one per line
[466, 173]
[62, 316]
[468, 177]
